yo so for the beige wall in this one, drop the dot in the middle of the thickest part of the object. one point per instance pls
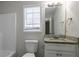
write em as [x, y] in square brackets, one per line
[72, 27]
[17, 7]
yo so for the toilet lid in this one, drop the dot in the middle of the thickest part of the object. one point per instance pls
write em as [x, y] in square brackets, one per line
[29, 55]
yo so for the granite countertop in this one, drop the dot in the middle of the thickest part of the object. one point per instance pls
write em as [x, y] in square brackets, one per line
[67, 40]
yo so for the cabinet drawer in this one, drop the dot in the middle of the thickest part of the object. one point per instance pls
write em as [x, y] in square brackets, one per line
[52, 46]
[68, 54]
[52, 54]
[64, 47]
[58, 54]
[63, 51]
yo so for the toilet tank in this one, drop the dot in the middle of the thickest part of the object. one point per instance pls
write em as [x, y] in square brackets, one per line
[31, 46]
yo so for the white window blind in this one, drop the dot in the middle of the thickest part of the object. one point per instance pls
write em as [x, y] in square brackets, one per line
[32, 18]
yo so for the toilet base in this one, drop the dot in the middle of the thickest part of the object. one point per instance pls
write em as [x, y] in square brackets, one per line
[29, 55]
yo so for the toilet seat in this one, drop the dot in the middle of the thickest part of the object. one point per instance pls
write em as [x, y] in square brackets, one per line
[29, 55]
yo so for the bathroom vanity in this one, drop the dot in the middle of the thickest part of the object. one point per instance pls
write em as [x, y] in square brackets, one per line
[60, 47]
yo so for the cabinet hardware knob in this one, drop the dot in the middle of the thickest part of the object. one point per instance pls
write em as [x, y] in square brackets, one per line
[57, 54]
[60, 54]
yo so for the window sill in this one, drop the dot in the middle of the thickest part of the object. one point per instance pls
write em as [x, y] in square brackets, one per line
[31, 31]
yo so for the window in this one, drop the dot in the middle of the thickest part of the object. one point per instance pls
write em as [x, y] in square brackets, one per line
[32, 18]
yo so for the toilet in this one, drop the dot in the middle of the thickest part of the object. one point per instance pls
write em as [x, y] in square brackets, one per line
[31, 48]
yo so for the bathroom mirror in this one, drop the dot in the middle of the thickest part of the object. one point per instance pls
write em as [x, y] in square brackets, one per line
[55, 19]
[49, 20]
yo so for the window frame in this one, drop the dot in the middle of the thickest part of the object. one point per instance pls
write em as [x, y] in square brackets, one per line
[28, 6]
